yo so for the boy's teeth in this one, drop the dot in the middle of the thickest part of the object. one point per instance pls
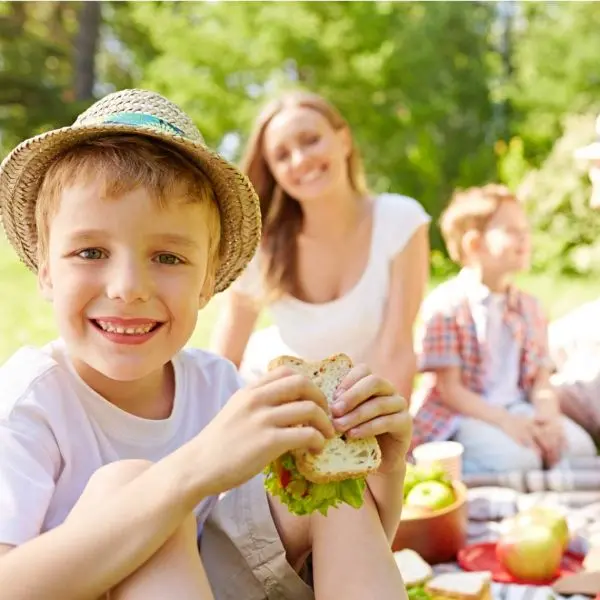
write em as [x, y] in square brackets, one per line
[140, 330]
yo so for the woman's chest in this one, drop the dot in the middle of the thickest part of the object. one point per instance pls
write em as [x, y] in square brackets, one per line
[329, 270]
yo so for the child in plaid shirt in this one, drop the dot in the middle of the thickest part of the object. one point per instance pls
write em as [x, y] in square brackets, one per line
[484, 347]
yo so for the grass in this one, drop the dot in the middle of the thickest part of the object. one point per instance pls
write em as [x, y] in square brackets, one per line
[27, 318]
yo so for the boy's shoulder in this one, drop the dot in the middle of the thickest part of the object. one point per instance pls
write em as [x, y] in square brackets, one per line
[26, 373]
[204, 369]
[445, 299]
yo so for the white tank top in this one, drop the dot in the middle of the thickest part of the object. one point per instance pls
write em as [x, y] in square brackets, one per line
[348, 324]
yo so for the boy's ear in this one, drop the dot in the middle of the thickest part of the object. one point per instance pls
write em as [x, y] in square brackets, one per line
[45, 282]
[471, 242]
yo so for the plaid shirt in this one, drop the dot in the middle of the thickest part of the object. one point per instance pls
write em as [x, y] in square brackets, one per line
[450, 339]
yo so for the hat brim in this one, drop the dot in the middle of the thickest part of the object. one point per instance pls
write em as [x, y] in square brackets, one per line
[589, 152]
[22, 171]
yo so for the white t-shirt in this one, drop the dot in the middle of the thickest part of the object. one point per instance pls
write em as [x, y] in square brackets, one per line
[349, 324]
[503, 357]
[55, 431]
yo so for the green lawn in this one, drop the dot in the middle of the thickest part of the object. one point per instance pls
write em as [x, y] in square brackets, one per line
[27, 319]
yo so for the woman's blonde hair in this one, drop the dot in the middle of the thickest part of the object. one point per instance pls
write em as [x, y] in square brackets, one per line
[282, 214]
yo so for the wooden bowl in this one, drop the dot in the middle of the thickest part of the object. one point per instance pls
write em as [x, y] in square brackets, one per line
[439, 535]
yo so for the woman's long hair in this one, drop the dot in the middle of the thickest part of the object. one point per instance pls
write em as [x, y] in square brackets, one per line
[282, 214]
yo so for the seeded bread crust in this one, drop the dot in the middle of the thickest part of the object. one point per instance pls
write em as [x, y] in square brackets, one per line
[340, 459]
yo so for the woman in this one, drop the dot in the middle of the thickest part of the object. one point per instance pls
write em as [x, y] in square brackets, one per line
[340, 269]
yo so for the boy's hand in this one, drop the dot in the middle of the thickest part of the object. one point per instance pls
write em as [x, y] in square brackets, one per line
[550, 436]
[521, 429]
[282, 411]
[367, 405]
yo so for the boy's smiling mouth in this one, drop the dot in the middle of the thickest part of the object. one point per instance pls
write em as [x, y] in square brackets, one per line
[126, 331]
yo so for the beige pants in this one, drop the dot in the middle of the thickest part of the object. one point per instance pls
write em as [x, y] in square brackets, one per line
[242, 552]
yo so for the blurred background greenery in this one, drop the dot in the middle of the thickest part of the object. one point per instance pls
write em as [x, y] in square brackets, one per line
[439, 95]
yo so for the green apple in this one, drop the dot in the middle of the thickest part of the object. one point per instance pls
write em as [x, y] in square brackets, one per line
[431, 494]
[411, 478]
[435, 472]
[530, 553]
[550, 517]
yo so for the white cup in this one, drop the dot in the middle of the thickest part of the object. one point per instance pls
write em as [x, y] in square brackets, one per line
[447, 454]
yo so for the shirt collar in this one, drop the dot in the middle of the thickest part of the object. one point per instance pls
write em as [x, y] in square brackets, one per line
[478, 292]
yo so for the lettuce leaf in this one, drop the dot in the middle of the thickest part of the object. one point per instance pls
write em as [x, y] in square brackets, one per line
[303, 497]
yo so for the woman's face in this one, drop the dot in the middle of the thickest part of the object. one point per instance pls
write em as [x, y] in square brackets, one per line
[306, 155]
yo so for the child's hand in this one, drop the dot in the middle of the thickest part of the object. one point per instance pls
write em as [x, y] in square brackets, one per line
[369, 405]
[282, 411]
[550, 436]
[521, 429]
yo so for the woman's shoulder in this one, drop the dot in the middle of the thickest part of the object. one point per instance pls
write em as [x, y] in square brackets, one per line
[396, 205]
[397, 219]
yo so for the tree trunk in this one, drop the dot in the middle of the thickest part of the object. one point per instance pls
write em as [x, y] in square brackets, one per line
[86, 44]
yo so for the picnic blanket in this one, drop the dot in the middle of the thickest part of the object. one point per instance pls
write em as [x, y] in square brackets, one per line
[573, 488]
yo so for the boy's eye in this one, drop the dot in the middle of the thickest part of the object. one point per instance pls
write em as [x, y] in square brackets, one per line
[168, 259]
[91, 254]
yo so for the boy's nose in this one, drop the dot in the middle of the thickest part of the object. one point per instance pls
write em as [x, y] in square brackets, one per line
[128, 282]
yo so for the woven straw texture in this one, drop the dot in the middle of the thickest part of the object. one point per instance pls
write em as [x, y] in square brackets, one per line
[138, 112]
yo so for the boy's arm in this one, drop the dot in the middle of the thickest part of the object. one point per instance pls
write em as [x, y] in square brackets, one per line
[82, 559]
[96, 551]
[543, 395]
[463, 400]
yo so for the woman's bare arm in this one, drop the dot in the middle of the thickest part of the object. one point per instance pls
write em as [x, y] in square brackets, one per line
[233, 328]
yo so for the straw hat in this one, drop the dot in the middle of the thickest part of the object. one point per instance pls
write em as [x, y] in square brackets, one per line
[591, 151]
[131, 112]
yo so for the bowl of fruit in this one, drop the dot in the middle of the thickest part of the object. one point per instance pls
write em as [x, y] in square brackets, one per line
[434, 515]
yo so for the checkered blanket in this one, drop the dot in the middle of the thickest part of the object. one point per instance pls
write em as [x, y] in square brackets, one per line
[574, 488]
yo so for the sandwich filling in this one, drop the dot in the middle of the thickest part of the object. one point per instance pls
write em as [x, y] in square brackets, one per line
[303, 497]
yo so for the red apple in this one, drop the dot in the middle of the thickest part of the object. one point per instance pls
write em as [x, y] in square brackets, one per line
[532, 553]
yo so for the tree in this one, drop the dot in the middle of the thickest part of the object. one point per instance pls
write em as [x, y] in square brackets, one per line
[411, 78]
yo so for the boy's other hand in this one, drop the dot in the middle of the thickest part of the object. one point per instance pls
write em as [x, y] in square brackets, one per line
[368, 405]
[550, 436]
[521, 429]
[280, 412]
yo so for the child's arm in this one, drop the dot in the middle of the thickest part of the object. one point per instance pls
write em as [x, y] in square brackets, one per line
[352, 558]
[86, 557]
[369, 405]
[466, 402]
[440, 354]
[463, 400]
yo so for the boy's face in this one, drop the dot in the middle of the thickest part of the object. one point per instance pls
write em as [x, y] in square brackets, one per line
[505, 243]
[126, 278]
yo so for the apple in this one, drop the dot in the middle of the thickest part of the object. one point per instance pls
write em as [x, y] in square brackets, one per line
[430, 494]
[548, 516]
[531, 553]
[411, 478]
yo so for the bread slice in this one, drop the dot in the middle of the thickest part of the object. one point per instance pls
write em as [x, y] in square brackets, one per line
[413, 568]
[474, 585]
[340, 459]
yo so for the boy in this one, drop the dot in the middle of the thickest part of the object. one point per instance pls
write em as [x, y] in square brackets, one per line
[484, 346]
[114, 442]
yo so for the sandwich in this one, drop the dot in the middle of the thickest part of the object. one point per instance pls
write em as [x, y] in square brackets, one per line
[306, 482]
[414, 569]
[474, 585]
